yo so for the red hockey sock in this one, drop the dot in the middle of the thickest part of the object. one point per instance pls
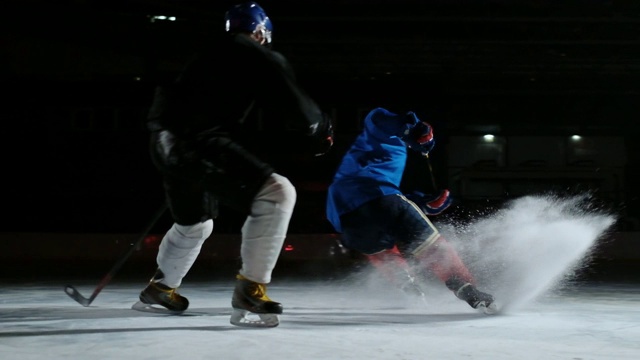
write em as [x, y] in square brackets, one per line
[390, 263]
[443, 260]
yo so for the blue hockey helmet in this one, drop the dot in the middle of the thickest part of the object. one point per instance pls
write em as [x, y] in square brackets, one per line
[248, 17]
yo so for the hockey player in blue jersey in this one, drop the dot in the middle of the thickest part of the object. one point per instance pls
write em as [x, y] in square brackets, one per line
[366, 205]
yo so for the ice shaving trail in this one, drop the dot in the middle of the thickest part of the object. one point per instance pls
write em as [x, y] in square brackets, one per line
[517, 253]
[529, 247]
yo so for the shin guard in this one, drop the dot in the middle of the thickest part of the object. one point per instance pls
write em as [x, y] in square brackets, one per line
[179, 249]
[265, 229]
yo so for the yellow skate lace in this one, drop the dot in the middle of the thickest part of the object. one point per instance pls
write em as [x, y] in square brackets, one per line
[170, 292]
[256, 290]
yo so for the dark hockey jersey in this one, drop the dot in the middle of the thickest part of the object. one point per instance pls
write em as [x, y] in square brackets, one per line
[224, 82]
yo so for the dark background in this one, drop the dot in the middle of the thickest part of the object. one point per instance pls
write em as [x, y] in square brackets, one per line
[78, 77]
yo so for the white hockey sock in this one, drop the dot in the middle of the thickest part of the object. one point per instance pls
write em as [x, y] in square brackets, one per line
[179, 249]
[264, 231]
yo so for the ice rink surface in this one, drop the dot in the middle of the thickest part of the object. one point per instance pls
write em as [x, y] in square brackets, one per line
[529, 256]
[322, 320]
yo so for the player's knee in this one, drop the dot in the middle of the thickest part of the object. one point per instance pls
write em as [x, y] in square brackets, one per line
[431, 243]
[278, 190]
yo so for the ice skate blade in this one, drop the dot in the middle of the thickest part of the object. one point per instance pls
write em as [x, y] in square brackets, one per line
[492, 309]
[244, 318]
[140, 306]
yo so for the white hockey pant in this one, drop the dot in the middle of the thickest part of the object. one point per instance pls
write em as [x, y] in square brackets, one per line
[179, 249]
[265, 229]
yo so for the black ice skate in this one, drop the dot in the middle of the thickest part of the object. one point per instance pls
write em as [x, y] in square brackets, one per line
[251, 298]
[477, 299]
[159, 294]
[474, 297]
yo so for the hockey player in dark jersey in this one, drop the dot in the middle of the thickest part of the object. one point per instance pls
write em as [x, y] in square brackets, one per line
[199, 145]
[366, 205]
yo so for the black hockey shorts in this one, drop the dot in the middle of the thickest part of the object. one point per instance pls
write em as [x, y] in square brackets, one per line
[381, 223]
[199, 175]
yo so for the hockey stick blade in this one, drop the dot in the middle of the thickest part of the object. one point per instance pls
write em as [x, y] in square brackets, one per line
[75, 295]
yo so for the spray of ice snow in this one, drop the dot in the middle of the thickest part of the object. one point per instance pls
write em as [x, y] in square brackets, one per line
[531, 246]
[518, 253]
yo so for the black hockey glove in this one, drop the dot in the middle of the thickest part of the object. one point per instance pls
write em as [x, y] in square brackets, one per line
[324, 136]
[420, 137]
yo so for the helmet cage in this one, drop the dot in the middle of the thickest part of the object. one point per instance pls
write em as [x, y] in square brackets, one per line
[264, 32]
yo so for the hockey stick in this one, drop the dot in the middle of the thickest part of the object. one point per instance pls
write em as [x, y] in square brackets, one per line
[433, 178]
[75, 294]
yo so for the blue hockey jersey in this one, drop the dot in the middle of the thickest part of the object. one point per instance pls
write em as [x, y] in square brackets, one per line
[373, 165]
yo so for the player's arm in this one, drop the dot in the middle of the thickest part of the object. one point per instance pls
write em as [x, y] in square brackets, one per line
[417, 134]
[291, 104]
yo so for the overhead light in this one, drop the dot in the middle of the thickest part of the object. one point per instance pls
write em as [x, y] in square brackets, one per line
[154, 18]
